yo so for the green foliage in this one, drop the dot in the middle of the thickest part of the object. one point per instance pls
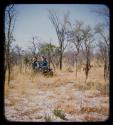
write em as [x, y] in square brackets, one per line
[48, 47]
[59, 114]
[26, 60]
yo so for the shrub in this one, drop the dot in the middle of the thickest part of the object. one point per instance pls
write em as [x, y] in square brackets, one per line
[59, 114]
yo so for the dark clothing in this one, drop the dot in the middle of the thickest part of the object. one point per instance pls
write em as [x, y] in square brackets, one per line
[40, 64]
[34, 64]
[45, 63]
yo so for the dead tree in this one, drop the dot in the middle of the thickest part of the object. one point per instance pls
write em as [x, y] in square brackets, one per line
[103, 31]
[9, 27]
[34, 46]
[103, 53]
[86, 47]
[75, 36]
[60, 28]
[87, 40]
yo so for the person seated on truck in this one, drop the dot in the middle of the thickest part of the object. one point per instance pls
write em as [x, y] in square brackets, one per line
[34, 63]
[44, 63]
[39, 63]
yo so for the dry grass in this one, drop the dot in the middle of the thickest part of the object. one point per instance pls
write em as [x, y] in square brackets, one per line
[29, 112]
[63, 84]
[67, 107]
[90, 118]
[48, 118]
[27, 80]
[59, 76]
[101, 110]
[10, 103]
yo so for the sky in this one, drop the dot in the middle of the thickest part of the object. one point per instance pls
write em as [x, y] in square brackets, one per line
[32, 20]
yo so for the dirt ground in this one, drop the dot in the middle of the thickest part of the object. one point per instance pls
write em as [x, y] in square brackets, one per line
[35, 97]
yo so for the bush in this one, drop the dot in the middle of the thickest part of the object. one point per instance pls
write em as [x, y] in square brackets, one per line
[59, 114]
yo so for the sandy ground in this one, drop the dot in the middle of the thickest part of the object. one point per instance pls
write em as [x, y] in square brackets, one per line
[31, 99]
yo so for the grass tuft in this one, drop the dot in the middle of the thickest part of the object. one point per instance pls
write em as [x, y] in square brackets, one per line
[59, 113]
[47, 118]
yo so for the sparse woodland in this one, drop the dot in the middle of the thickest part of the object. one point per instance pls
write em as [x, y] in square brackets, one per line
[79, 87]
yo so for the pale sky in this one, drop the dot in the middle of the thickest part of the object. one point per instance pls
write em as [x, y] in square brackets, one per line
[32, 20]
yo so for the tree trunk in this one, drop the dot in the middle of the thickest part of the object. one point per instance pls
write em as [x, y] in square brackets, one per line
[87, 67]
[49, 58]
[61, 61]
[61, 53]
[76, 66]
[105, 70]
[9, 69]
[8, 59]
[73, 60]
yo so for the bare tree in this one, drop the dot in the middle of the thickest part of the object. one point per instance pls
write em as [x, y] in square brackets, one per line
[60, 28]
[87, 40]
[104, 47]
[75, 36]
[9, 28]
[34, 46]
[103, 31]
[86, 47]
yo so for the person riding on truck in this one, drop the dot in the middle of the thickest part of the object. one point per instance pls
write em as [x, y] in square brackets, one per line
[34, 63]
[44, 63]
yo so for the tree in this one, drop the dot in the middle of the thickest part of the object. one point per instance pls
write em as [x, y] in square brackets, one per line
[75, 36]
[103, 30]
[60, 28]
[104, 47]
[87, 40]
[86, 47]
[9, 28]
[34, 46]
